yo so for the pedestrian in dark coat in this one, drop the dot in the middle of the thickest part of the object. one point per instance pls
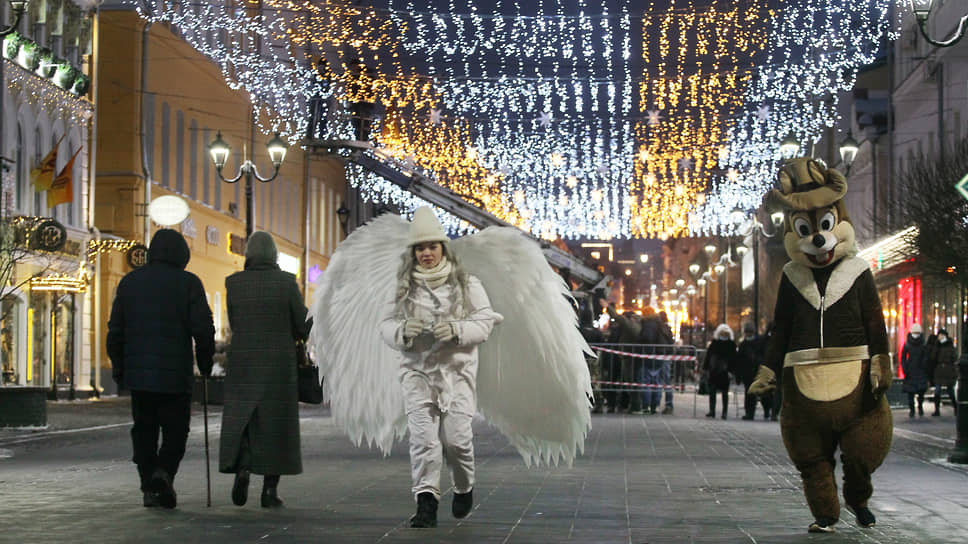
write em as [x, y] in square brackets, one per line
[260, 420]
[914, 362]
[943, 360]
[158, 311]
[624, 328]
[749, 357]
[718, 364]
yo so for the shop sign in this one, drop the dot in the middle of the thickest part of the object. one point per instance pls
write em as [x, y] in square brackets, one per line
[962, 187]
[168, 210]
[236, 244]
[137, 256]
[188, 228]
[288, 263]
[49, 235]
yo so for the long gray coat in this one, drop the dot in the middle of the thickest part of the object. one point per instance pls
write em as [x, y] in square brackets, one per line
[266, 314]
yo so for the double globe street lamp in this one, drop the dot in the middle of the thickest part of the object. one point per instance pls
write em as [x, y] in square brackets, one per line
[219, 151]
[922, 9]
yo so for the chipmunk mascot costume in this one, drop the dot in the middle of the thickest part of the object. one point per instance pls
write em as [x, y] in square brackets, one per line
[831, 345]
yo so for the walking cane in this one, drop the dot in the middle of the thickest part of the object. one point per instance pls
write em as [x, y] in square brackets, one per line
[208, 476]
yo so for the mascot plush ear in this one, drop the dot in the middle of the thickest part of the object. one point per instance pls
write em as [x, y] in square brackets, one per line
[817, 229]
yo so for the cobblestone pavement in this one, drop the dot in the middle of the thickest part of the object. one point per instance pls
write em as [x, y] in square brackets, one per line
[642, 479]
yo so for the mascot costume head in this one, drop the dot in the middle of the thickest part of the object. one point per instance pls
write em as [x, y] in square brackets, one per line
[817, 229]
[830, 346]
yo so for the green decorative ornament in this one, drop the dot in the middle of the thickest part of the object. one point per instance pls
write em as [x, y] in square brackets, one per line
[81, 84]
[11, 45]
[45, 66]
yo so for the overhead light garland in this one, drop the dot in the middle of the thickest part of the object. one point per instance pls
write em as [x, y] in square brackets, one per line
[528, 109]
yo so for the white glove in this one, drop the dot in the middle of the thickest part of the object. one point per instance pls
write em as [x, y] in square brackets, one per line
[412, 328]
[444, 332]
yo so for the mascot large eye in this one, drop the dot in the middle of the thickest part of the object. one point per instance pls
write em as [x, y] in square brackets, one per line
[801, 226]
[827, 221]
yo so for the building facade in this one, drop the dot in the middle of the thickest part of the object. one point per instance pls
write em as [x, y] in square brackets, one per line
[46, 116]
[160, 104]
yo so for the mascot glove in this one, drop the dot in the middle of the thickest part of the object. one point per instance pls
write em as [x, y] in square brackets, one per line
[444, 332]
[765, 381]
[412, 328]
[881, 374]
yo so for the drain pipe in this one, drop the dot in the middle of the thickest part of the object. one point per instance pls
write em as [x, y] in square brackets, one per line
[145, 167]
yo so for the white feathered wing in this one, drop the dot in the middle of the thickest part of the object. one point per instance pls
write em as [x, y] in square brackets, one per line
[532, 383]
[361, 372]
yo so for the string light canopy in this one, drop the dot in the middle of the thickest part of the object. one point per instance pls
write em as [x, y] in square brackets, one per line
[570, 119]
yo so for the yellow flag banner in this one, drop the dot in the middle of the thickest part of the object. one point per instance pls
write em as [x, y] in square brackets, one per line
[62, 188]
[43, 175]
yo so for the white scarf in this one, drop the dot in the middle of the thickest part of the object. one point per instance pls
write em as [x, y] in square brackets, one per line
[434, 277]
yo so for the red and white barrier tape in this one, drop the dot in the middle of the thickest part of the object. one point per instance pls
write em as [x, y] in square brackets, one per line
[649, 385]
[647, 356]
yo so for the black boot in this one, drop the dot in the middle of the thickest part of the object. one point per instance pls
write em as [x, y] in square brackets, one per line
[240, 489]
[463, 502]
[160, 484]
[270, 497]
[426, 516]
[150, 499]
[865, 518]
[822, 525]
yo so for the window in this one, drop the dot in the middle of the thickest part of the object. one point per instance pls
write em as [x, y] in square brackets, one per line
[9, 340]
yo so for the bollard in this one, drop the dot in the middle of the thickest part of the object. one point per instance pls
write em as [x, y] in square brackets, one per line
[960, 455]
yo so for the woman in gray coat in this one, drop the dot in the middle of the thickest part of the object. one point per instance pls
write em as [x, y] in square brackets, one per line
[260, 420]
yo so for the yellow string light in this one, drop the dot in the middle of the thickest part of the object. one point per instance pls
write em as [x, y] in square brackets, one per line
[693, 87]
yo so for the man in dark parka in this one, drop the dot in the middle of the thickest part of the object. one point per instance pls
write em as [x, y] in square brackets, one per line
[158, 311]
[260, 420]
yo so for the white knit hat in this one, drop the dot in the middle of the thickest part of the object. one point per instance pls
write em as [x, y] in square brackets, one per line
[916, 328]
[425, 227]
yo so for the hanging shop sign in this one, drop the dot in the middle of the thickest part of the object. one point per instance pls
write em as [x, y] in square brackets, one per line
[168, 210]
[49, 235]
[137, 256]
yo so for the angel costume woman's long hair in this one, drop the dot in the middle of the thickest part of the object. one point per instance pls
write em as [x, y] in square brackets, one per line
[457, 279]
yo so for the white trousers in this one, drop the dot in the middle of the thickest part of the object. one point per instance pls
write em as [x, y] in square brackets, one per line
[435, 435]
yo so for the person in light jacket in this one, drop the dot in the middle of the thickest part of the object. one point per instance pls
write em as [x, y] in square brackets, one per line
[260, 420]
[440, 316]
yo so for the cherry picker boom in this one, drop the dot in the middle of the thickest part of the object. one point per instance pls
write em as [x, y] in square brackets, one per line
[412, 179]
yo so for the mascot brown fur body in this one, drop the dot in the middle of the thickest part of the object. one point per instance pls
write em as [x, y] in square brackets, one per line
[831, 345]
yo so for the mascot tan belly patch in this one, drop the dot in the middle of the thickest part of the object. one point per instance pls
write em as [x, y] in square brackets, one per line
[828, 381]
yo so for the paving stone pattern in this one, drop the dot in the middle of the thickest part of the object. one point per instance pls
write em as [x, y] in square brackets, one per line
[642, 479]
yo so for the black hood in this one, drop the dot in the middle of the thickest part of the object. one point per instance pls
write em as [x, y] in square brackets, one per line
[168, 246]
[915, 341]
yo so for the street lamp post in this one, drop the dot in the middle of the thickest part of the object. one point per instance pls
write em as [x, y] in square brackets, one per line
[19, 7]
[755, 229]
[922, 9]
[219, 151]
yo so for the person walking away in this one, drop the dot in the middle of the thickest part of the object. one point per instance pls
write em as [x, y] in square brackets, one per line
[914, 363]
[592, 335]
[260, 419]
[668, 376]
[650, 370]
[625, 329]
[158, 311]
[749, 356]
[440, 316]
[944, 363]
[719, 363]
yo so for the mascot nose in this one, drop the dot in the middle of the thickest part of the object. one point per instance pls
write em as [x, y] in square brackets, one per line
[819, 240]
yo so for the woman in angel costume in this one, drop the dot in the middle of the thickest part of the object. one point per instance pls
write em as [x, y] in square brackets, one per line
[429, 369]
